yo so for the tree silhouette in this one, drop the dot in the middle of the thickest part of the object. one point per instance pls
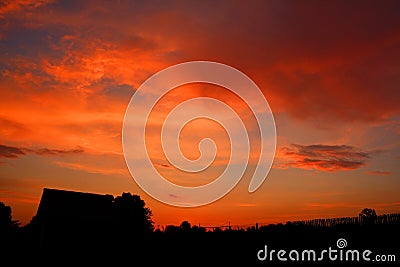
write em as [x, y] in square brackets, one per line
[133, 217]
[6, 221]
[8, 230]
[367, 216]
[172, 230]
[185, 226]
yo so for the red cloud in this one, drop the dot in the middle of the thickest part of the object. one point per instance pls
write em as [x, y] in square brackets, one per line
[20, 5]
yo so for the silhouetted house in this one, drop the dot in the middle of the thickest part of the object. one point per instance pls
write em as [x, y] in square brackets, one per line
[68, 218]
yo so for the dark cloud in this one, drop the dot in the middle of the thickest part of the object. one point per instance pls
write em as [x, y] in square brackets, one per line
[118, 91]
[15, 152]
[11, 152]
[325, 157]
[54, 152]
[163, 165]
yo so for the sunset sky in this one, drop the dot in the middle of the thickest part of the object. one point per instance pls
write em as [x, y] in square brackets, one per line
[330, 71]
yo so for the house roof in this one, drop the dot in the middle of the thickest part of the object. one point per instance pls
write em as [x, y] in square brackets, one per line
[57, 203]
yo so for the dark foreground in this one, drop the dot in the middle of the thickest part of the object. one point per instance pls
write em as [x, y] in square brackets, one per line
[194, 246]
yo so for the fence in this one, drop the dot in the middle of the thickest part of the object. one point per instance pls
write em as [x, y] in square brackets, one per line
[381, 219]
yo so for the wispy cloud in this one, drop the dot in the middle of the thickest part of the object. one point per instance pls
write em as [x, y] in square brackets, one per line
[91, 168]
[332, 205]
[13, 196]
[382, 173]
[246, 204]
[15, 152]
[324, 157]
